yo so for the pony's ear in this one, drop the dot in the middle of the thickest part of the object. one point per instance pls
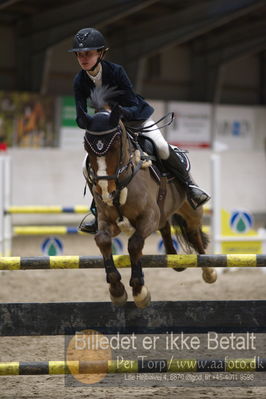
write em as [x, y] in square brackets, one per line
[84, 118]
[115, 115]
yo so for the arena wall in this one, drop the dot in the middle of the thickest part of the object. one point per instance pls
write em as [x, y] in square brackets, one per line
[53, 176]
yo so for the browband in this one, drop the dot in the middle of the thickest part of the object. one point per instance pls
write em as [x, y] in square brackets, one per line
[114, 130]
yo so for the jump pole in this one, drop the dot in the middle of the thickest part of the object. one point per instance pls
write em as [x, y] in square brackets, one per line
[46, 209]
[64, 230]
[118, 366]
[123, 261]
[44, 230]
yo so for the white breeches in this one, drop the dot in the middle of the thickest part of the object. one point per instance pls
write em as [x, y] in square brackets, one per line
[156, 136]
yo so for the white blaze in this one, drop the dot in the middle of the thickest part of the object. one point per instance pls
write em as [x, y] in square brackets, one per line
[103, 183]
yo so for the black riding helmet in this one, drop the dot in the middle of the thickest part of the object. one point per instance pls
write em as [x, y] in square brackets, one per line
[88, 39]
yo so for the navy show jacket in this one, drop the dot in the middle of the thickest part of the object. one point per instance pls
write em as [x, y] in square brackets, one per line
[113, 75]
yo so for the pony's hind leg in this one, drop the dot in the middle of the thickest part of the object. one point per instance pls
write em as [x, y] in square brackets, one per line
[117, 290]
[141, 293]
[189, 220]
[168, 243]
[198, 239]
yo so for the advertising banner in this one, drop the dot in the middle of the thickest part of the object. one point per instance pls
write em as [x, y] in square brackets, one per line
[234, 128]
[27, 120]
[191, 127]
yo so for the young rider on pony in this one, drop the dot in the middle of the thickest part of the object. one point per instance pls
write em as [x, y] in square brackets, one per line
[89, 46]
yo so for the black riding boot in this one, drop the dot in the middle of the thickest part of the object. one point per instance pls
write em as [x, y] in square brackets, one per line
[195, 195]
[92, 226]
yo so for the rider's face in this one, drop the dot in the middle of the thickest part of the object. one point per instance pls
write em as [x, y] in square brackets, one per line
[87, 59]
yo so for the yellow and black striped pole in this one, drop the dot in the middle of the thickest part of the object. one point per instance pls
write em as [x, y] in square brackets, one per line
[47, 209]
[24, 209]
[255, 364]
[62, 230]
[45, 230]
[123, 261]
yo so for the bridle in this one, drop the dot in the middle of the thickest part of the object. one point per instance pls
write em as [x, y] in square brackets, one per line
[99, 143]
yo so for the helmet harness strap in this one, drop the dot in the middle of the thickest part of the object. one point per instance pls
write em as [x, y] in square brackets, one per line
[98, 60]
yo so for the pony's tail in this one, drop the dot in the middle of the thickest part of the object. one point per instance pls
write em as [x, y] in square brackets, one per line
[189, 239]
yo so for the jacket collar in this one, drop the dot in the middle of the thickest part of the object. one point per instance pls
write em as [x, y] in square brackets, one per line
[104, 76]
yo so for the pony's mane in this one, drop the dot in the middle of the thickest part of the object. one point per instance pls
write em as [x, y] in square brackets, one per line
[102, 96]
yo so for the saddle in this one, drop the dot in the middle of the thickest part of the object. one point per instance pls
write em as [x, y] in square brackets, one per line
[157, 169]
[158, 172]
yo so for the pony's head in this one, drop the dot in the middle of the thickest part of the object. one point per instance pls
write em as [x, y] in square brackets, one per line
[104, 141]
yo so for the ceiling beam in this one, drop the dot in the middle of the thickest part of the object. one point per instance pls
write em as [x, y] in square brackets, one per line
[241, 50]
[207, 60]
[226, 37]
[8, 3]
[60, 23]
[180, 27]
[235, 51]
[235, 42]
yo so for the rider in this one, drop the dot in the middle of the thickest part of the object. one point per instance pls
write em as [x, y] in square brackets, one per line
[89, 46]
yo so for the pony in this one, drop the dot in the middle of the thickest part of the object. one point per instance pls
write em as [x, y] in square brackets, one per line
[130, 199]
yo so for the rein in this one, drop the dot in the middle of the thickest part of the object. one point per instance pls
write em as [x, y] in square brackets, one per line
[145, 129]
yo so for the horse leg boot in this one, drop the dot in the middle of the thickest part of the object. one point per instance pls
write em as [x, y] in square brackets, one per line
[117, 290]
[141, 293]
[195, 195]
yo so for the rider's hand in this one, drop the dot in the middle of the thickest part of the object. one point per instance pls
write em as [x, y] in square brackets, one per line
[125, 114]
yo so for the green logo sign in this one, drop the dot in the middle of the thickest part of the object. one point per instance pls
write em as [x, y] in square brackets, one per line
[68, 113]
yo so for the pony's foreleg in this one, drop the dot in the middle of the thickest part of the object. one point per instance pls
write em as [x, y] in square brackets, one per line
[168, 242]
[141, 293]
[117, 290]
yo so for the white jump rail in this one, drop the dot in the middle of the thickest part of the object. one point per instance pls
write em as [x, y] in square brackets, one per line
[7, 201]
[5, 198]
[2, 206]
[216, 202]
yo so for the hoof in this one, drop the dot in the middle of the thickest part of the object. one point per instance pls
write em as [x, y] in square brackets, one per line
[209, 276]
[119, 300]
[179, 269]
[143, 299]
